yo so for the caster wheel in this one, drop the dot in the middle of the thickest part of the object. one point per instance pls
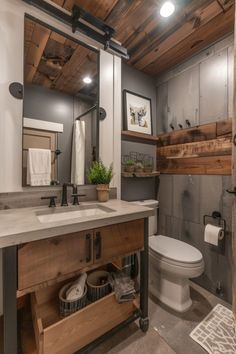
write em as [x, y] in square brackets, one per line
[144, 324]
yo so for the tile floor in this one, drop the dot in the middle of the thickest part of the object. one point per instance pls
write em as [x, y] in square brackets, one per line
[168, 332]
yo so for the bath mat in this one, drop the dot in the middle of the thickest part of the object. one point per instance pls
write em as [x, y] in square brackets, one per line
[216, 332]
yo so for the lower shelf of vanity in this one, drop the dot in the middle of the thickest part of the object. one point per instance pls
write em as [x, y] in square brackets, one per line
[53, 334]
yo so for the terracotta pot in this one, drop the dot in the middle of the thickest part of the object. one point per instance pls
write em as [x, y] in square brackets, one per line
[129, 168]
[103, 192]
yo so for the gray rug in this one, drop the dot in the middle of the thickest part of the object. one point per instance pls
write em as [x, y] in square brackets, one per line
[216, 332]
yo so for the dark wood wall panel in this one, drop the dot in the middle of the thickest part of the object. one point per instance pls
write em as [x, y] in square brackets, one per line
[206, 149]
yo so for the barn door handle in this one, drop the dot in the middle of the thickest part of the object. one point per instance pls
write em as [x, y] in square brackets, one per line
[231, 191]
[89, 248]
[98, 245]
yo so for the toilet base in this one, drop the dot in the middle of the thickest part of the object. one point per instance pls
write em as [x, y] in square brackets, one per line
[170, 290]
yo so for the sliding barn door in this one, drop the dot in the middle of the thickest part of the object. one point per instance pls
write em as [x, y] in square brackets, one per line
[234, 183]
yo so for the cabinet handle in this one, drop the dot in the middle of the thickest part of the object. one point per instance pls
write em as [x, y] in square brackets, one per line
[98, 245]
[88, 248]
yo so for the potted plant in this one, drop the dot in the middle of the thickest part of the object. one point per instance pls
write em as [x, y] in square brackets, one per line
[129, 166]
[139, 167]
[148, 167]
[101, 175]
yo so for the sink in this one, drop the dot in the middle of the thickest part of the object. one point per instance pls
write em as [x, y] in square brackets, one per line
[72, 212]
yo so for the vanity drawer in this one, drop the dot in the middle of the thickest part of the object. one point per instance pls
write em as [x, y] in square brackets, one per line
[48, 259]
[118, 240]
[68, 335]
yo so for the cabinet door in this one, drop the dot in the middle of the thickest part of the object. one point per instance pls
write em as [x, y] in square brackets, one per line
[48, 259]
[117, 240]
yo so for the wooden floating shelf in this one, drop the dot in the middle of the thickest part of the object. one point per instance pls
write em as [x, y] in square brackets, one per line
[145, 138]
[140, 174]
[201, 150]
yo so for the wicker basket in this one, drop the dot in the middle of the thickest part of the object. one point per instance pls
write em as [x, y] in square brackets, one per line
[67, 307]
[97, 290]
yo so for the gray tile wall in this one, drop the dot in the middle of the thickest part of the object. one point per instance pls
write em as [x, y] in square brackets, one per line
[202, 94]
[183, 202]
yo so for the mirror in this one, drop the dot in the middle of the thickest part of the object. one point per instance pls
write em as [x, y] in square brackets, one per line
[60, 109]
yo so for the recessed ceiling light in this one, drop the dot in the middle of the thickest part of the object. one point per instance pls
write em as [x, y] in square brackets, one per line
[87, 80]
[167, 9]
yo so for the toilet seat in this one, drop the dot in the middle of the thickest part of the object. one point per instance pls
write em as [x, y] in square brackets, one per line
[175, 252]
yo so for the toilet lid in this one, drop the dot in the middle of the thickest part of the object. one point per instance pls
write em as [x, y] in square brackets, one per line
[174, 249]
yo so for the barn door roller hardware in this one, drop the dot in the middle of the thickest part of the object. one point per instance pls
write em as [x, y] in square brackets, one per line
[84, 22]
[80, 14]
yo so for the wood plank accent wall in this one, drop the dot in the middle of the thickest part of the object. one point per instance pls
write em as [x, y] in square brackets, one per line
[205, 149]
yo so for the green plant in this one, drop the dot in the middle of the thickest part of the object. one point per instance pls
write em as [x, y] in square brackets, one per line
[99, 173]
[130, 163]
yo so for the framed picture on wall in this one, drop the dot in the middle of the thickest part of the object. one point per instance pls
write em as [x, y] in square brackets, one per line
[137, 113]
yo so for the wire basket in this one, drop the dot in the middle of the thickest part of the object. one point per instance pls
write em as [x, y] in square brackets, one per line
[98, 285]
[67, 307]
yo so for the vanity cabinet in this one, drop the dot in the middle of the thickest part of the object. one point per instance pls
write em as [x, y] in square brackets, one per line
[44, 260]
[117, 240]
[44, 266]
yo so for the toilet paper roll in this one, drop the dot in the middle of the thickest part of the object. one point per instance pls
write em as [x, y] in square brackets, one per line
[213, 234]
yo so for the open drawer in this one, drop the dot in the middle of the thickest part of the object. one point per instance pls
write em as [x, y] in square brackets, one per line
[68, 335]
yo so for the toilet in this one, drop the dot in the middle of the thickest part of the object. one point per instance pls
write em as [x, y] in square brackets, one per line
[171, 264]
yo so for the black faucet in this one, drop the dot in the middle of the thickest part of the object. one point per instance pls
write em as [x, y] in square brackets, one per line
[76, 196]
[64, 193]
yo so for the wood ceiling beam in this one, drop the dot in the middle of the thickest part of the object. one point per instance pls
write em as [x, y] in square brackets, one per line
[211, 32]
[206, 16]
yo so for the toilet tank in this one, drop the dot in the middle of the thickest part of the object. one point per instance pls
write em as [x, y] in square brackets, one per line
[152, 220]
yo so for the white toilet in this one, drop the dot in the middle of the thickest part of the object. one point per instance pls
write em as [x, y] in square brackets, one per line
[171, 264]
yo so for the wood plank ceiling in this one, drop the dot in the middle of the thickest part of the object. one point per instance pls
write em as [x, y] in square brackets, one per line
[154, 44]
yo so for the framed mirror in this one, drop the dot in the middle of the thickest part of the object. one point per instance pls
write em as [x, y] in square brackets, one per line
[60, 108]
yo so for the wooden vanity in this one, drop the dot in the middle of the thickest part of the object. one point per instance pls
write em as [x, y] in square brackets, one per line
[41, 267]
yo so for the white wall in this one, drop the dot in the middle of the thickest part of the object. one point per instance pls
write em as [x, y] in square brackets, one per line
[110, 128]
[12, 14]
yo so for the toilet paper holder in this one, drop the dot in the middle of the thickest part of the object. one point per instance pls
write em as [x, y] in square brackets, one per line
[216, 215]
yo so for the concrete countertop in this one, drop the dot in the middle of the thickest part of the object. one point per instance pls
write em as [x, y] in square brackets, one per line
[22, 225]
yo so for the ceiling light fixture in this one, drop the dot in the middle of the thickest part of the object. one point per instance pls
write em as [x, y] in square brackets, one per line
[87, 80]
[167, 9]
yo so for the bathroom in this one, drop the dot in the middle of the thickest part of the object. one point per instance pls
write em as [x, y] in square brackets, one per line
[171, 195]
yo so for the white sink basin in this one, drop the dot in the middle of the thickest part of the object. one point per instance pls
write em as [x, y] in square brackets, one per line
[71, 213]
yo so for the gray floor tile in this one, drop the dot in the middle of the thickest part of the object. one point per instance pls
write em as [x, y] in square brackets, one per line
[169, 331]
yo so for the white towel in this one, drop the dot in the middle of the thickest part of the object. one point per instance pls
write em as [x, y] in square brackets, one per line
[78, 153]
[39, 167]
[76, 291]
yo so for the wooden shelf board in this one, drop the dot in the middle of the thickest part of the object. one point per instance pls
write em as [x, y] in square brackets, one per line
[140, 174]
[129, 135]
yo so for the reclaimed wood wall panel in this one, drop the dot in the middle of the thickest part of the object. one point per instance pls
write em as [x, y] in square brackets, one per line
[211, 165]
[216, 147]
[205, 149]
